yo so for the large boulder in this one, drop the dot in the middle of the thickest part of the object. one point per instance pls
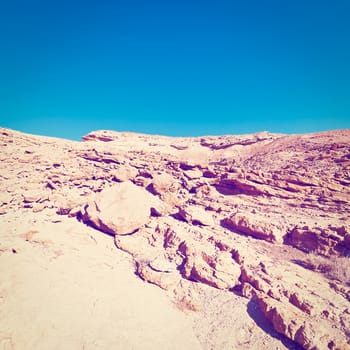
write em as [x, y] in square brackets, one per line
[121, 209]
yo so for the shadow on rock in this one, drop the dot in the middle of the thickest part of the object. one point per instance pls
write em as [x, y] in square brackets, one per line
[262, 322]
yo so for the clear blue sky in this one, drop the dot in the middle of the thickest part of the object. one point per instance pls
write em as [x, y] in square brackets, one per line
[174, 67]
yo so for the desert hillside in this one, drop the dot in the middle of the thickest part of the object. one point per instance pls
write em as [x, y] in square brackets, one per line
[132, 241]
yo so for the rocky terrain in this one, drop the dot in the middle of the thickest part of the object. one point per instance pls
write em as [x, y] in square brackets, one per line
[132, 241]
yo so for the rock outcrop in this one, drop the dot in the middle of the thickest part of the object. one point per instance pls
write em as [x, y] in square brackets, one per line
[257, 226]
[257, 220]
[120, 209]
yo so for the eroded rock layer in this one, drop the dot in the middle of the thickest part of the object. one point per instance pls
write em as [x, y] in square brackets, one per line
[263, 216]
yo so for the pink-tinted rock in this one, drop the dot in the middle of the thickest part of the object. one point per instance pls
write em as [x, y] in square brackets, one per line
[124, 173]
[120, 209]
[32, 196]
[162, 183]
[257, 226]
[290, 195]
[297, 326]
[164, 279]
[100, 135]
[196, 216]
[319, 240]
[219, 271]
[193, 174]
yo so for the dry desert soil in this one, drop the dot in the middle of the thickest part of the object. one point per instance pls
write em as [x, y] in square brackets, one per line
[132, 241]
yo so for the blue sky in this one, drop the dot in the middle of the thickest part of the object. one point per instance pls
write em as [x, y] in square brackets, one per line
[174, 67]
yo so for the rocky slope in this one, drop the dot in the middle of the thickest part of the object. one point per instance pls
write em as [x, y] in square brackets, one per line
[248, 237]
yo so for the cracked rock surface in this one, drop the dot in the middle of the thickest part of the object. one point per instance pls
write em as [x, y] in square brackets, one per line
[133, 241]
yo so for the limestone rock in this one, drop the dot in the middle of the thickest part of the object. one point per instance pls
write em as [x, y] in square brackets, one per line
[318, 240]
[296, 326]
[196, 216]
[219, 271]
[162, 183]
[257, 226]
[264, 216]
[5, 198]
[120, 209]
[164, 279]
[32, 196]
[65, 204]
[124, 173]
[193, 174]
[162, 264]
[100, 135]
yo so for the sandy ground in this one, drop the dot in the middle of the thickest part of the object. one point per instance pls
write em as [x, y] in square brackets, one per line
[65, 285]
[69, 288]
